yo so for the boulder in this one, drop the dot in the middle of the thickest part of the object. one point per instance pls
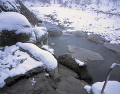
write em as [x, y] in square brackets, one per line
[53, 29]
[113, 47]
[70, 62]
[8, 38]
[54, 32]
[12, 80]
[42, 84]
[81, 34]
[18, 6]
[84, 54]
[96, 38]
[71, 85]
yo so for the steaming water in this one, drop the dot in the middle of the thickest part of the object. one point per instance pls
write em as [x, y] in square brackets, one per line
[97, 69]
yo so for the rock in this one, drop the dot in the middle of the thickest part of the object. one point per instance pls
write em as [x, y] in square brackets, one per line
[55, 74]
[70, 85]
[84, 54]
[28, 14]
[12, 80]
[113, 47]
[53, 29]
[40, 84]
[54, 32]
[81, 34]
[7, 6]
[64, 71]
[35, 85]
[96, 38]
[8, 38]
[70, 62]
[18, 6]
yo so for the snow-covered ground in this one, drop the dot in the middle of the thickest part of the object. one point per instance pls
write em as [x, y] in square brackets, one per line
[113, 87]
[107, 25]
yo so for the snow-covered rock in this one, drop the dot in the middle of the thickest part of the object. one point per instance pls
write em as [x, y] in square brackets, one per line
[8, 5]
[41, 55]
[75, 65]
[46, 47]
[14, 27]
[15, 62]
[13, 21]
[21, 58]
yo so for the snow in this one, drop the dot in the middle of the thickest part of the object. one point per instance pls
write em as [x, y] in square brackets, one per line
[87, 21]
[33, 81]
[46, 57]
[46, 47]
[114, 64]
[15, 62]
[80, 63]
[39, 31]
[112, 87]
[87, 88]
[13, 21]
[9, 4]
[46, 74]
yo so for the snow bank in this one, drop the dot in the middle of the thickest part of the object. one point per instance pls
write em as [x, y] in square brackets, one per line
[47, 58]
[13, 21]
[15, 62]
[112, 87]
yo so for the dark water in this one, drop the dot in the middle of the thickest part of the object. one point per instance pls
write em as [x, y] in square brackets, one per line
[97, 69]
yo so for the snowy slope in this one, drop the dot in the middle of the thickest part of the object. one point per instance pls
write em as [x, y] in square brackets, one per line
[87, 21]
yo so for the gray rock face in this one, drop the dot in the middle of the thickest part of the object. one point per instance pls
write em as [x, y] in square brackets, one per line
[113, 47]
[70, 62]
[96, 38]
[8, 38]
[84, 54]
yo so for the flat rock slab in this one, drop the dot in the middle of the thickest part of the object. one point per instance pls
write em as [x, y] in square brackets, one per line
[113, 47]
[84, 54]
[96, 38]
